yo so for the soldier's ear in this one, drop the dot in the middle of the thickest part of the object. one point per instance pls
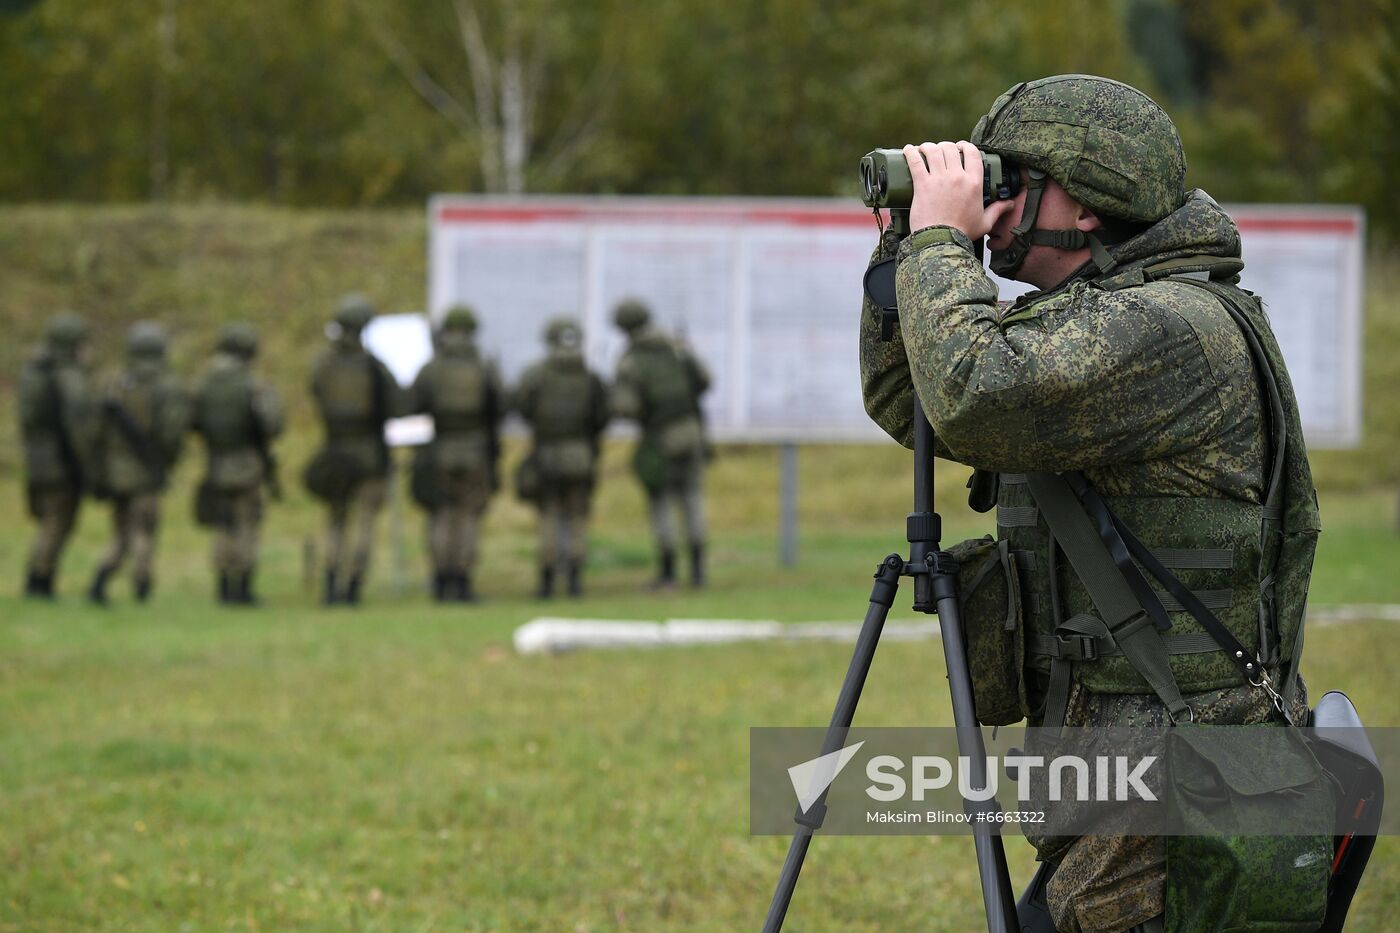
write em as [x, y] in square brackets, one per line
[1085, 219]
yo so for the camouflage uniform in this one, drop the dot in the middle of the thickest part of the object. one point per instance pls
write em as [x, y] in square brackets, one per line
[140, 429]
[566, 407]
[659, 384]
[355, 394]
[1145, 384]
[55, 429]
[455, 475]
[238, 415]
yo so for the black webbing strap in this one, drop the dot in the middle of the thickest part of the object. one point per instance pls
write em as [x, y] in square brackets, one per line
[1248, 665]
[1123, 616]
[1108, 533]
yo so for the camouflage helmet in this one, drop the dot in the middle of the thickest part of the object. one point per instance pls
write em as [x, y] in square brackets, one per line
[146, 340]
[66, 329]
[631, 314]
[1107, 144]
[563, 333]
[460, 318]
[353, 312]
[239, 339]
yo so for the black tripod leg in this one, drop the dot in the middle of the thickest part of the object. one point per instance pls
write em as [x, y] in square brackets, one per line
[881, 598]
[997, 898]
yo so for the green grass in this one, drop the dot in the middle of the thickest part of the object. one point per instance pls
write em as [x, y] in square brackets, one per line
[401, 768]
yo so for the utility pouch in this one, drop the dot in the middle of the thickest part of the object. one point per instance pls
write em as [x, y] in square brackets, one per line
[989, 601]
[649, 463]
[1219, 784]
[682, 438]
[331, 478]
[423, 482]
[568, 461]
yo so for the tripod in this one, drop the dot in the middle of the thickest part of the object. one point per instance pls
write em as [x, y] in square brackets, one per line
[935, 591]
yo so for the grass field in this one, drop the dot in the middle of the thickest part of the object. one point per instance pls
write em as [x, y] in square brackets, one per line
[400, 767]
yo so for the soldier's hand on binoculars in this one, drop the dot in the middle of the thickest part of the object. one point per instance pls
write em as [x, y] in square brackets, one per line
[948, 189]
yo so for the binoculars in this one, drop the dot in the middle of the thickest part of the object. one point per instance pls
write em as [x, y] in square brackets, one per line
[885, 179]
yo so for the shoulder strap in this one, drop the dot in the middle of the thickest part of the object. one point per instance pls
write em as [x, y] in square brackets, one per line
[1129, 624]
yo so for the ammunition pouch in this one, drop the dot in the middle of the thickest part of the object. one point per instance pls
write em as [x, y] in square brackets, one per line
[681, 438]
[989, 602]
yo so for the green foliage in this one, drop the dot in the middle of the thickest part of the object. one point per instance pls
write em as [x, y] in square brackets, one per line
[333, 103]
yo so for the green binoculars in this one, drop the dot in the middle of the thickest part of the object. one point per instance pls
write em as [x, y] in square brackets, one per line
[885, 179]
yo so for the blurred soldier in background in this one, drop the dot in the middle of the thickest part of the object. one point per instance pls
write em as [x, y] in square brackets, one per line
[455, 475]
[566, 407]
[355, 394]
[141, 425]
[659, 384]
[55, 429]
[238, 415]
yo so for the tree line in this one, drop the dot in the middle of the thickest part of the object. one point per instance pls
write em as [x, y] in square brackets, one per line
[383, 102]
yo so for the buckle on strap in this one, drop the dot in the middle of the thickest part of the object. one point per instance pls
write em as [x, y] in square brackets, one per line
[1077, 647]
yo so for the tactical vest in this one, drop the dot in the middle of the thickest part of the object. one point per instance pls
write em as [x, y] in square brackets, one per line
[564, 409]
[136, 455]
[457, 391]
[1248, 562]
[50, 456]
[665, 384]
[349, 395]
[225, 413]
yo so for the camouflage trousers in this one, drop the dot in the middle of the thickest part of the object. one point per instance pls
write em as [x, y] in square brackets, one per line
[236, 540]
[564, 522]
[455, 526]
[350, 531]
[1110, 883]
[135, 520]
[682, 493]
[55, 509]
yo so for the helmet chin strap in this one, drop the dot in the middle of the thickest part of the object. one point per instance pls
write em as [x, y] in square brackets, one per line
[1007, 262]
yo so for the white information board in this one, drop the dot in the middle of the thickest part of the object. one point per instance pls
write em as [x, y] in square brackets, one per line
[403, 343]
[766, 291]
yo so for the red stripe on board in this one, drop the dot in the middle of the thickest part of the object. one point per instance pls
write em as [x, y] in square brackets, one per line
[790, 217]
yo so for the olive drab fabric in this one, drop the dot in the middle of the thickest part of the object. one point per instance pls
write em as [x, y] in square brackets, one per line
[462, 392]
[354, 394]
[56, 408]
[1136, 372]
[659, 384]
[566, 406]
[236, 414]
[56, 429]
[142, 418]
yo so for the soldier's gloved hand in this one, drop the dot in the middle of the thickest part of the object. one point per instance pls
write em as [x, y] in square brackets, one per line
[948, 189]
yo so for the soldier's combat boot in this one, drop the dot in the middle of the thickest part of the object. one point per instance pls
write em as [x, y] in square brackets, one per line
[332, 596]
[465, 593]
[39, 585]
[575, 578]
[352, 591]
[546, 589]
[243, 593]
[225, 589]
[440, 586]
[666, 577]
[97, 592]
[141, 589]
[697, 565]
